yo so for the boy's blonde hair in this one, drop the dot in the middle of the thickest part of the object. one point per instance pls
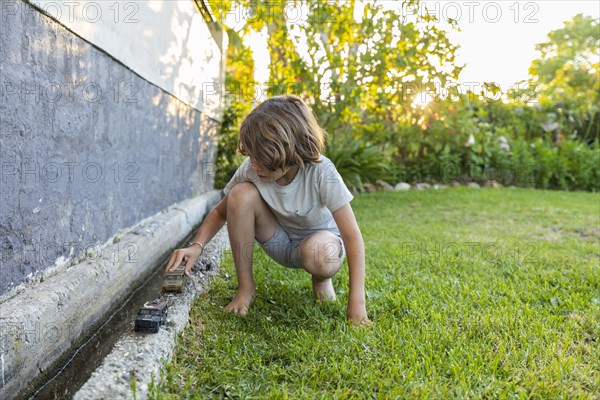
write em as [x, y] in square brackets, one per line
[281, 132]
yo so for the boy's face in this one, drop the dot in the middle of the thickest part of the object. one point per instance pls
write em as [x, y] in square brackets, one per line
[265, 174]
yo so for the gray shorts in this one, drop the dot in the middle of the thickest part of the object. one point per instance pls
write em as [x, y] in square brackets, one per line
[286, 251]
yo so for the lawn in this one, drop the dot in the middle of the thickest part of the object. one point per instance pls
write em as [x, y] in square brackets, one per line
[491, 293]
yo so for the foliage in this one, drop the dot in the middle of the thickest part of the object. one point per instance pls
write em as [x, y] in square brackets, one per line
[567, 75]
[239, 93]
[228, 158]
[240, 86]
[358, 163]
[568, 65]
[472, 139]
[475, 136]
[367, 70]
[358, 71]
[573, 166]
[362, 70]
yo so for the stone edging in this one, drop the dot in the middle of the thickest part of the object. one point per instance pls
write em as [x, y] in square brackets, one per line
[40, 324]
[140, 356]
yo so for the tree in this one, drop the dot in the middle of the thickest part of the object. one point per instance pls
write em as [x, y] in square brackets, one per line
[567, 74]
[239, 93]
[368, 69]
[361, 68]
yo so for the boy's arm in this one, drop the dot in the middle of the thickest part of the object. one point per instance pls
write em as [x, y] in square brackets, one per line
[355, 250]
[213, 222]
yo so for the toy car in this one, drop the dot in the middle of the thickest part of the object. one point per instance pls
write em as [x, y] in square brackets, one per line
[175, 280]
[151, 316]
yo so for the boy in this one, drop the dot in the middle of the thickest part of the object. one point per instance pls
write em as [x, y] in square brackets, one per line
[292, 201]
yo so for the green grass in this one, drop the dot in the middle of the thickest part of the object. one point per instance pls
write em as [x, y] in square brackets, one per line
[520, 319]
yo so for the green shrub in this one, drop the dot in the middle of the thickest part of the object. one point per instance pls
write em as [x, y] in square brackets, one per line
[358, 163]
[582, 165]
[570, 165]
[523, 164]
[544, 157]
[228, 158]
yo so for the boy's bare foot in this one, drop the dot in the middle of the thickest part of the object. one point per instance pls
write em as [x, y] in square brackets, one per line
[241, 302]
[323, 289]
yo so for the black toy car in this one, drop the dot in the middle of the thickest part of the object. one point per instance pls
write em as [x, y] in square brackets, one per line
[151, 316]
[175, 280]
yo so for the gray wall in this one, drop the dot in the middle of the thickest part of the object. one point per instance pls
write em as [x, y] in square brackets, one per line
[86, 146]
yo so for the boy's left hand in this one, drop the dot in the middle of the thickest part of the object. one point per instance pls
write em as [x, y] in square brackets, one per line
[357, 314]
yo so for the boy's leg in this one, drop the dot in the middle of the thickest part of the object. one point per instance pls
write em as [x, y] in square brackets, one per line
[321, 255]
[248, 217]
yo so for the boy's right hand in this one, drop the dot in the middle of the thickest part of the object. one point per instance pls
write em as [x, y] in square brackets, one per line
[188, 254]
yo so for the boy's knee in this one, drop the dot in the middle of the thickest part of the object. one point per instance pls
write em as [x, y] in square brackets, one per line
[321, 254]
[243, 192]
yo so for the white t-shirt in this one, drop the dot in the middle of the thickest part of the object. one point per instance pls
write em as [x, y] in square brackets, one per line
[304, 205]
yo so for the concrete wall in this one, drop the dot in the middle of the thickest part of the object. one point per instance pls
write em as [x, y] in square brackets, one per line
[89, 145]
[166, 42]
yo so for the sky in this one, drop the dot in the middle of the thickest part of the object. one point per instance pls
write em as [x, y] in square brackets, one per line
[497, 38]
[502, 51]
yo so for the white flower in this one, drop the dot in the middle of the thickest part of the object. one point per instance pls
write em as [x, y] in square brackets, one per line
[471, 141]
[550, 126]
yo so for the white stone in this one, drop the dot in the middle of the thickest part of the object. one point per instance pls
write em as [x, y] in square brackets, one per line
[422, 186]
[402, 186]
[384, 185]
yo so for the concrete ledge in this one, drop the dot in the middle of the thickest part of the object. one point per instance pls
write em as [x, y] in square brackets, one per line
[44, 321]
[139, 356]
